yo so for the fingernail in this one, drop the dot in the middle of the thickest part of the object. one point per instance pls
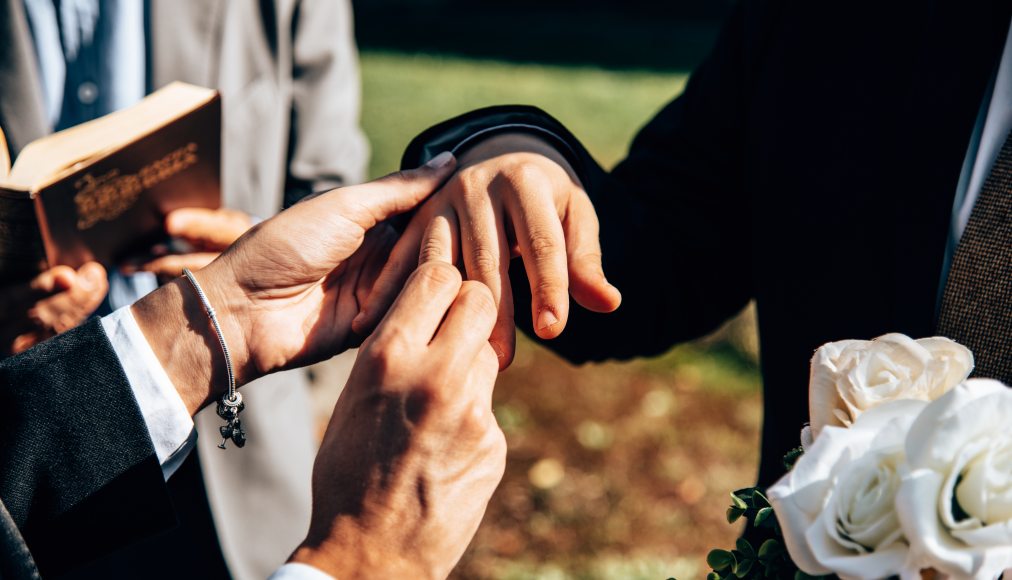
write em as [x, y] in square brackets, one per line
[499, 354]
[547, 319]
[440, 160]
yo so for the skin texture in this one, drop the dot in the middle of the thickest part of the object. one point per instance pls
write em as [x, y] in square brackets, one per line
[413, 452]
[53, 302]
[513, 196]
[206, 231]
[61, 298]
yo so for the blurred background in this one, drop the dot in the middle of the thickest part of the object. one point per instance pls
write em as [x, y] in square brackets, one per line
[617, 470]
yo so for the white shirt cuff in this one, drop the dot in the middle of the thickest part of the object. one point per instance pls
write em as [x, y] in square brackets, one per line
[169, 422]
[296, 571]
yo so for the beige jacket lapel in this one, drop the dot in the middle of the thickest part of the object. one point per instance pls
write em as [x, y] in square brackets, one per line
[22, 111]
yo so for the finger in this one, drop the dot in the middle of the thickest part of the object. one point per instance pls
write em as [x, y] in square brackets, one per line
[91, 288]
[441, 242]
[172, 266]
[468, 324]
[21, 296]
[65, 310]
[588, 284]
[399, 265]
[543, 248]
[370, 203]
[486, 256]
[207, 228]
[379, 243]
[417, 312]
[483, 375]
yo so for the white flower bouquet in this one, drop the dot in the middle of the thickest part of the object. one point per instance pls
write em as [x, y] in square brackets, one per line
[905, 471]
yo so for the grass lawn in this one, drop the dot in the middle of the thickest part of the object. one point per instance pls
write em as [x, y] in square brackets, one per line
[404, 94]
[614, 470]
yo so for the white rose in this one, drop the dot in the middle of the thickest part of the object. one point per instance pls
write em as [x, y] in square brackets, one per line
[851, 376]
[837, 505]
[955, 505]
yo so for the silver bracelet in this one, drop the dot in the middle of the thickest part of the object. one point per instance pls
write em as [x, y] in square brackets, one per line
[231, 403]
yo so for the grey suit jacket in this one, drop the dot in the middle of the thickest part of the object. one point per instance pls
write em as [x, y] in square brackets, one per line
[288, 74]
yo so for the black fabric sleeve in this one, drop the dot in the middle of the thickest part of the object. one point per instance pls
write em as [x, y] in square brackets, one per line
[674, 214]
[78, 471]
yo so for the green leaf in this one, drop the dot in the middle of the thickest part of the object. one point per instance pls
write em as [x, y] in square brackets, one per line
[759, 500]
[770, 549]
[743, 568]
[720, 560]
[713, 576]
[762, 515]
[745, 548]
[792, 457]
[738, 502]
[733, 513]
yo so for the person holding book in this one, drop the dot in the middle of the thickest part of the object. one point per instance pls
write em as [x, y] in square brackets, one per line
[288, 76]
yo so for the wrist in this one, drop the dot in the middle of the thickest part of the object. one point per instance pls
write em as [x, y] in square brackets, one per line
[354, 560]
[514, 143]
[177, 327]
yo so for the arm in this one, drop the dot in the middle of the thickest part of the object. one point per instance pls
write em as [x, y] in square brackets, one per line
[80, 473]
[674, 216]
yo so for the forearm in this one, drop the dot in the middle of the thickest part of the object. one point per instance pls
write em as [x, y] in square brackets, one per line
[179, 331]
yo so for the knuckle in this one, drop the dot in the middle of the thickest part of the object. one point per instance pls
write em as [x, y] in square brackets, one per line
[387, 351]
[432, 249]
[477, 299]
[528, 175]
[475, 420]
[543, 246]
[474, 179]
[484, 262]
[547, 287]
[438, 274]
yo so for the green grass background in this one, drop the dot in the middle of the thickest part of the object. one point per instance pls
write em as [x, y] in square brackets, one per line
[641, 454]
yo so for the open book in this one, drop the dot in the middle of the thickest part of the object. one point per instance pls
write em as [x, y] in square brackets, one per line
[100, 190]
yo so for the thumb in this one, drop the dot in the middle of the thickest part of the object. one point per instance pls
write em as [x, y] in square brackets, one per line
[376, 201]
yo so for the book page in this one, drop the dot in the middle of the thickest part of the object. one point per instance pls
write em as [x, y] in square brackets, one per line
[46, 160]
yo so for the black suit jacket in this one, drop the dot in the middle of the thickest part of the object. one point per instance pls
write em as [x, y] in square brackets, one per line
[78, 472]
[810, 164]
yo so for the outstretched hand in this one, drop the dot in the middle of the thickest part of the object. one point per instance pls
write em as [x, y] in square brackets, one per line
[287, 291]
[513, 196]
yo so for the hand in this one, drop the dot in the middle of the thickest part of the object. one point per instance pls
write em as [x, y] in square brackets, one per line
[286, 292]
[207, 231]
[413, 452]
[53, 302]
[514, 195]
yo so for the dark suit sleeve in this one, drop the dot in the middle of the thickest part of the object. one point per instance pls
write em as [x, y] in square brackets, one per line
[674, 215]
[78, 471]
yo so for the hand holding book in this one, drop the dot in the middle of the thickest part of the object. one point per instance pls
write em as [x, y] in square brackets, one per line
[52, 302]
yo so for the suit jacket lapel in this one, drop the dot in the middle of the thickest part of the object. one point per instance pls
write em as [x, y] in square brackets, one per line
[961, 45]
[185, 41]
[22, 111]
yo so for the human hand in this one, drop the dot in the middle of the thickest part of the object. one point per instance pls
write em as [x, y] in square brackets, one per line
[413, 452]
[207, 231]
[514, 195]
[53, 302]
[286, 291]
